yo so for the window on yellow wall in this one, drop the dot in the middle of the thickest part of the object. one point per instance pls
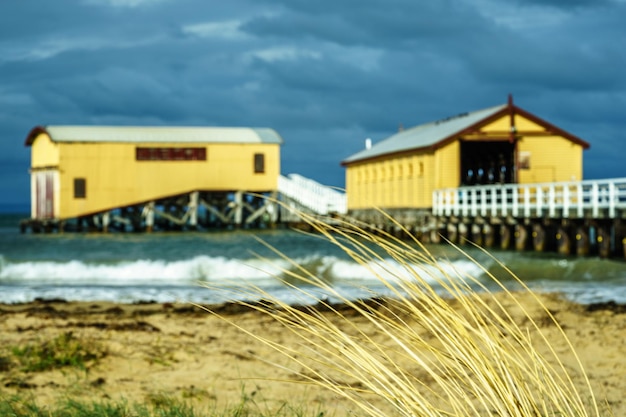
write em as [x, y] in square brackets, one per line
[421, 169]
[80, 188]
[410, 170]
[259, 163]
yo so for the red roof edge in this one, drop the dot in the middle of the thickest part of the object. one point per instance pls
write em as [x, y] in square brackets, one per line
[35, 131]
[510, 110]
[551, 127]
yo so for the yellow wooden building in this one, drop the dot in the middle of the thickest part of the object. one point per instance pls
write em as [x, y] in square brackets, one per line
[83, 170]
[501, 144]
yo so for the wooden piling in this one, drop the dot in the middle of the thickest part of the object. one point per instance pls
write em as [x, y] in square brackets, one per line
[539, 237]
[488, 235]
[582, 241]
[563, 241]
[603, 241]
[462, 233]
[452, 233]
[477, 235]
[521, 237]
[505, 236]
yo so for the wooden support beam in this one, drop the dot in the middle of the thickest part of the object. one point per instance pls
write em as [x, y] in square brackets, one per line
[563, 241]
[603, 241]
[521, 237]
[489, 235]
[238, 208]
[463, 229]
[192, 209]
[452, 232]
[539, 237]
[106, 220]
[148, 214]
[223, 218]
[582, 241]
[477, 235]
[505, 236]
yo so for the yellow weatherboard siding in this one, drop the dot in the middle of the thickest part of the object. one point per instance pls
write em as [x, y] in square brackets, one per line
[44, 153]
[395, 183]
[551, 159]
[115, 179]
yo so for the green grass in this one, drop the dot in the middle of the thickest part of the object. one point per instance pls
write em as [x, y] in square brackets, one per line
[157, 406]
[66, 350]
[16, 407]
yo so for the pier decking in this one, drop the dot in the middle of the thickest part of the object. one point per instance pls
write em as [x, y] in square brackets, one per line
[570, 218]
[580, 217]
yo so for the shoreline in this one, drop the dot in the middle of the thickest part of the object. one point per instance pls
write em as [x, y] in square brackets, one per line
[180, 350]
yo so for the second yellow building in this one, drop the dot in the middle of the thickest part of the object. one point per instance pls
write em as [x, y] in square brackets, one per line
[501, 144]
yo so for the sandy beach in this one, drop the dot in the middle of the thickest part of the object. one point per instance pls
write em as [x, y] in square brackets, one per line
[146, 351]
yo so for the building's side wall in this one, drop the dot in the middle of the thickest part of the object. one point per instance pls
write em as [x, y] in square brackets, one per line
[401, 181]
[447, 166]
[114, 178]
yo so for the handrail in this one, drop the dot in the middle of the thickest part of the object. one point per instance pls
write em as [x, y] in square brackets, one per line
[573, 199]
[312, 195]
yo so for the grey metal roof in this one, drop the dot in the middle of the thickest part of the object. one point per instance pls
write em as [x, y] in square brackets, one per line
[425, 135]
[160, 134]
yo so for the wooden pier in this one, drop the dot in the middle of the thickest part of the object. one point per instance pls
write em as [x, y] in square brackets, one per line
[582, 218]
[570, 218]
[207, 210]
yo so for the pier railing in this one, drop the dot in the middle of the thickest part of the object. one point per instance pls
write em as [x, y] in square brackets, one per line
[311, 195]
[582, 199]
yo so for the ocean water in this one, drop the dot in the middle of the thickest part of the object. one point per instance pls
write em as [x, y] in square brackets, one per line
[214, 267]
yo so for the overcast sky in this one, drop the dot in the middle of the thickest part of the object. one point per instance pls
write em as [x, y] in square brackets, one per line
[326, 74]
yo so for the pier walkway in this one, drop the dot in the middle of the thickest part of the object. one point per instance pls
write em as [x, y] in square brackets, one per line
[569, 217]
[300, 194]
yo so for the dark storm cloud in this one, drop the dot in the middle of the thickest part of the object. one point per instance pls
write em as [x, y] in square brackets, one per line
[389, 24]
[325, 74]
[567, 4]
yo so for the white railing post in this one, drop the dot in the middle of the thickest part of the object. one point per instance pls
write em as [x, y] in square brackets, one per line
[526, 201]
[612, 199]
[538, 201]
[483, 201]
[515, 201]
[595, 200]
[551, 201]
[474, 202]
[580, 198]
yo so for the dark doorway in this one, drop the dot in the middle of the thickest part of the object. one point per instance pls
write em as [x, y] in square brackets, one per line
[485, 162]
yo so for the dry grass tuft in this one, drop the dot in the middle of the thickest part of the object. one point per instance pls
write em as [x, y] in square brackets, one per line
[457, 351]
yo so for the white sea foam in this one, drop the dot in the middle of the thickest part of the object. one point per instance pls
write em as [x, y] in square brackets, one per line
[216, 269]
[201, 268]
[392, 271]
